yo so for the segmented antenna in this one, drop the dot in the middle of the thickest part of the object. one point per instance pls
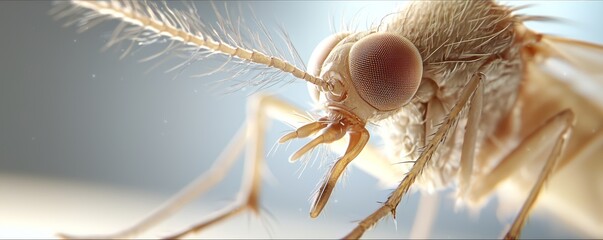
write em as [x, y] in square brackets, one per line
[146, 22]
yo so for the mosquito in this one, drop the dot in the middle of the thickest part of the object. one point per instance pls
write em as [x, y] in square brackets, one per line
[462, 93]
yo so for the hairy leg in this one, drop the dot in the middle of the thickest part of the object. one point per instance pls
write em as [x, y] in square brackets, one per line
[545, 143]
[394, 199]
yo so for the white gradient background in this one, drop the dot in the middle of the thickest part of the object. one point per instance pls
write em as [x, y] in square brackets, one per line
[89, 143]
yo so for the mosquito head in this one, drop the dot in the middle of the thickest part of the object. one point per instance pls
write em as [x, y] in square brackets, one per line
[371, 73]
[368, 76]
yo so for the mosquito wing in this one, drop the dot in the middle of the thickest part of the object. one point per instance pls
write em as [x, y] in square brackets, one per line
[560, 74]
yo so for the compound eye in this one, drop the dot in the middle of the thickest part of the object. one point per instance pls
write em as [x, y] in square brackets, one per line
[386, 70]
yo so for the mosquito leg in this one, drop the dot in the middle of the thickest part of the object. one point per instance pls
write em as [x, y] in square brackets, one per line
[259, 109]
[548, 141]
[566, 119]
[251, 132]
[470, 138]
[427, 210]
[394, 199]
[577, 200]
[203, 183]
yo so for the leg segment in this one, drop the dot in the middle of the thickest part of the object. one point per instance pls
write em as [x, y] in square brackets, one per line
[252, 132]
[427, 211]
[469, 139]
[394, 199]
[565, 119]
[260, 109]
[200, 185]
[547, 141]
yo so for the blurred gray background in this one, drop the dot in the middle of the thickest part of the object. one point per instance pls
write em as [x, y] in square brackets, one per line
[73, 117]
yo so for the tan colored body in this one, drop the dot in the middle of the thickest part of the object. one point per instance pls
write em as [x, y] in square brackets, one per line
[479, 111]
[516, 102]
[454, 47]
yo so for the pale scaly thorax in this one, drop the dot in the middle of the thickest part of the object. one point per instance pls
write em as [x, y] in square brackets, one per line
[471, 42]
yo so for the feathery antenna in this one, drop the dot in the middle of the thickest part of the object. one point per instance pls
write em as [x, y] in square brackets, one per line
[146, 22]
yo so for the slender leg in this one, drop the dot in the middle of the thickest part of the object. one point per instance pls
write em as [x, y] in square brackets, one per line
[427, 211]
[578, 188]
[539, 142]
[470, 138]
[547, 141]
[261, 108]
[566, 119]
[203, 183]
[394, 199]
[251, 132]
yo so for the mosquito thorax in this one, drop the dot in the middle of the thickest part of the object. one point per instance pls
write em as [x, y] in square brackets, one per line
[371, 73]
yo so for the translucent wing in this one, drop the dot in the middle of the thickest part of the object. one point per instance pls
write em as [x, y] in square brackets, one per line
[578, 64]
[563, 74]
[582, 55]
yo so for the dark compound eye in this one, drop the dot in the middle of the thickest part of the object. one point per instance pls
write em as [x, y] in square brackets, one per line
[386, 70]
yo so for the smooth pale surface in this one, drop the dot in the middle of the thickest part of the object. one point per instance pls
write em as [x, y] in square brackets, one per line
[90, 143]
